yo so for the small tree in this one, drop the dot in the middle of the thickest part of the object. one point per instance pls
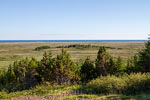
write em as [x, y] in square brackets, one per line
[63, 68]
[45, 67]
[88, 71]
[11, 75]
[31, 74]
[104, 62]
[144, 58]
[119, 66]
[133, 65]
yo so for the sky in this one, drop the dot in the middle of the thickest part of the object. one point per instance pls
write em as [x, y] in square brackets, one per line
[74, 19]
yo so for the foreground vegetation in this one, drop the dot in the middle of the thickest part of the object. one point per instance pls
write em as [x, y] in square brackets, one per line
[61, 92]
[105, 75]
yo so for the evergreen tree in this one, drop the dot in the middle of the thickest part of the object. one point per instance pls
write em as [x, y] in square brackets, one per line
[31, 74]
[45, 67]
[144, 58]
[11, 75]
[104, 62]
[88, 71]
[119, 66]
[64, 68]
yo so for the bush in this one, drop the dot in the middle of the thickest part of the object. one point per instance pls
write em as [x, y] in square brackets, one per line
[63, 69]
[21, 75]
[41, 48]
[127, 84]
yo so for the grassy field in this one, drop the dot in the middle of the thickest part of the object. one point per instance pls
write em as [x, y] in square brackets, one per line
[10, 52]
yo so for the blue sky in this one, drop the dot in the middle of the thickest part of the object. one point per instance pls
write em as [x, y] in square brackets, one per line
[74, 19]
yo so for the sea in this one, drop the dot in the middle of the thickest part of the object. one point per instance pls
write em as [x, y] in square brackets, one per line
[73, 40]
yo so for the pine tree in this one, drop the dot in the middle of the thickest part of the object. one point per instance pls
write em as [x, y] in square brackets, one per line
[104, 62]
[11, 75]
[119, 66]
[31, 74]
[144, 58]
[133, 65]
[88, 70]
[64, 68]
[45, 67]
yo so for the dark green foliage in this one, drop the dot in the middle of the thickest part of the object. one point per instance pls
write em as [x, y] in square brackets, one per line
[32, 74]
[26, 74]
[104, 62]
[45, 67]
[41, 48]
[79, 46]
[64, 68]
[140, 62]
[76, 46]
[88, 71]
[21, 75]
[29, 72]
[133, 65]
[119, 66]
[144, 58]
[60, 69]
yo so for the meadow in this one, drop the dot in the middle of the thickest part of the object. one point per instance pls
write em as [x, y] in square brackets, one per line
[10, 52]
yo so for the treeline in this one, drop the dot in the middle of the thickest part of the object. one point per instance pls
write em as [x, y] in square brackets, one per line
[41, 48]
[79, 46]
[61, 69]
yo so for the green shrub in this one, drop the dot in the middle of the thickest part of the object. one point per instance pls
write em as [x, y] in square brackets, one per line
[80, 46]
[41, 48]
[127, 84]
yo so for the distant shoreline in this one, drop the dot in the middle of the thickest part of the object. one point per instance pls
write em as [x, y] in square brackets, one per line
[73, 41]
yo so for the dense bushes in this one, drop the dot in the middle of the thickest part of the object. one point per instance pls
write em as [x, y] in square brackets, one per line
[30, 72]
[81, 46]
[59, 69]
[75, 46]
[115, 75]
[41, 48]
[21, 75]
[126, 84]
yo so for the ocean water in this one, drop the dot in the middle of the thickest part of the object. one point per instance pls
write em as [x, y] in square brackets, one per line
[73, 40]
